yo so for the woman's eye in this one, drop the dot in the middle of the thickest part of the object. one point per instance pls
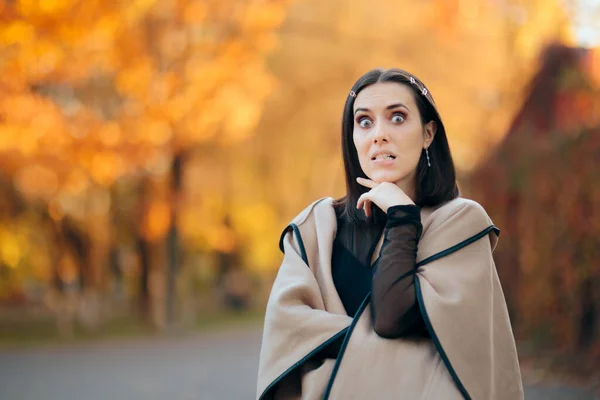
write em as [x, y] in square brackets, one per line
[365, 123]
[397, 119]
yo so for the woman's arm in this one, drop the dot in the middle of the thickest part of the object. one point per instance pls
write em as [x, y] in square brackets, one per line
[393, 304]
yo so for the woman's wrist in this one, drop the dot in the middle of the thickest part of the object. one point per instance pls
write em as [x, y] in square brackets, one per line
[404, 214]
[411, 209]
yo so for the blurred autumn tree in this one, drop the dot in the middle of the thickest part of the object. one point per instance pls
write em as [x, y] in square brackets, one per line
[96, 91]
[542, 188]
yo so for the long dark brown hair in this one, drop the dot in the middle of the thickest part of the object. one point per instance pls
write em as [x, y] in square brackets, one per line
[434, 185]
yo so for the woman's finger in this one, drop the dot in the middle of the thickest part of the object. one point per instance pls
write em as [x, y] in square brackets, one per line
[368, 208]
[366, 182]
[362, 200]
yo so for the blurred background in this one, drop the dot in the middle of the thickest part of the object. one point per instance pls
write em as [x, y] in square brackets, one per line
[152, 151]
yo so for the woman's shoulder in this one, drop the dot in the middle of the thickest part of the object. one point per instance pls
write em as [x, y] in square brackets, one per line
[463, 203]
[324, 203]
[318, 216]
[461, 208]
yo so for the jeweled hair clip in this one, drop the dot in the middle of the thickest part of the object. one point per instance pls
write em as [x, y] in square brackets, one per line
[414, 82]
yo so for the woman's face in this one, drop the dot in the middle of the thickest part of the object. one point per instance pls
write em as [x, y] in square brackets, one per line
[388, 134]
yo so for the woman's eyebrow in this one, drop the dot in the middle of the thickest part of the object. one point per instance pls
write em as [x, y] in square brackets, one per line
[391, 106]
[396, 106]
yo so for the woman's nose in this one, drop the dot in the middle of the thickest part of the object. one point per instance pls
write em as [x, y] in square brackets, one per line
[379, 134]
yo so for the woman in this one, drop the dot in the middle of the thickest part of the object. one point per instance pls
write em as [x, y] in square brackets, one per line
[390, 292]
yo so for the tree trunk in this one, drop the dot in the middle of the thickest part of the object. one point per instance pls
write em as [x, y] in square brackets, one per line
[143, 247]
[587, 323]
[172, 237]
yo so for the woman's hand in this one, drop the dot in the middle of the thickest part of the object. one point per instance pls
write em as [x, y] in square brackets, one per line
[384, 195]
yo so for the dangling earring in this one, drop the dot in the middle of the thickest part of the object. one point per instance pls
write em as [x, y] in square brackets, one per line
[428, 161]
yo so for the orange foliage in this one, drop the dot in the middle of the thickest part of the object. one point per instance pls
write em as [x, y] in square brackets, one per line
[95, 91]
[101, 88]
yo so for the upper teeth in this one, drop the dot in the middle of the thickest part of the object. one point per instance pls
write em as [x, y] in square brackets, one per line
[381, 156]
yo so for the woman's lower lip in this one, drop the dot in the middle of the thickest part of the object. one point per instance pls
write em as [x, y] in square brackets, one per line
[386, 161]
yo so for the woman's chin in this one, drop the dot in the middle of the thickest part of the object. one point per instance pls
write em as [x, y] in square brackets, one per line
[385, 177]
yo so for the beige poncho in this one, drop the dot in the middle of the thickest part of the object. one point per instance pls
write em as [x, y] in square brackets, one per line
[471, 353]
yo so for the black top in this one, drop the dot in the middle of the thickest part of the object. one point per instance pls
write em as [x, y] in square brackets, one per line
[394, 306]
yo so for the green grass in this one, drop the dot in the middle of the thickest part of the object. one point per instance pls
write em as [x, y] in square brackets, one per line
[45, 332]
[230, 319]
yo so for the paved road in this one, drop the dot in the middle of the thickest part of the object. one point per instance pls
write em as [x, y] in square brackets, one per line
[210, 366]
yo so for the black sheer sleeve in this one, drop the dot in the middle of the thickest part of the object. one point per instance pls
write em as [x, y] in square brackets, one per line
[393, 303]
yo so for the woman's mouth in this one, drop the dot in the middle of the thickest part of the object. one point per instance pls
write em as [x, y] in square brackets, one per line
[383, 159]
